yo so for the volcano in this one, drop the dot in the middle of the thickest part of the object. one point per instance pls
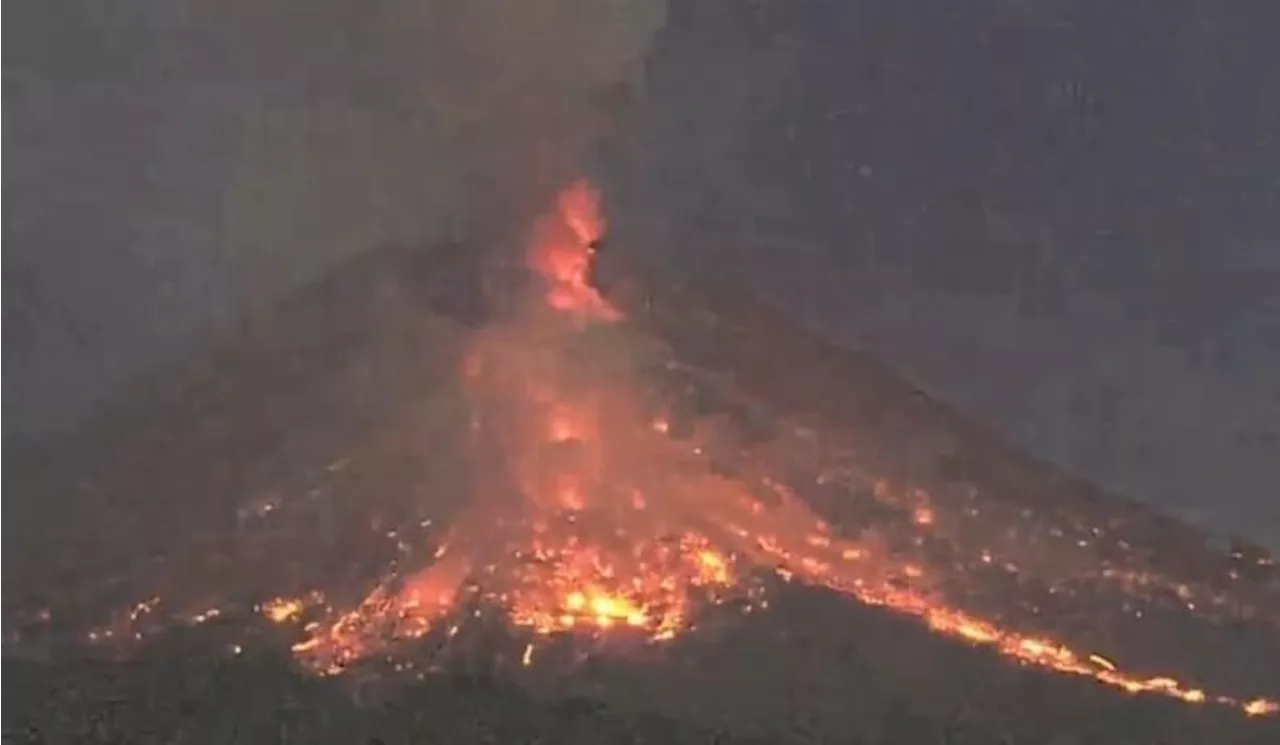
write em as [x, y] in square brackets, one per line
[617, 487]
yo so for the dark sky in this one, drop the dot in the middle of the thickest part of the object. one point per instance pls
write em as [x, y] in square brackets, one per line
[1063, 215]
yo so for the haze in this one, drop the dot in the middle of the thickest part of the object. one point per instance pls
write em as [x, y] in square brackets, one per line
[1062, 216]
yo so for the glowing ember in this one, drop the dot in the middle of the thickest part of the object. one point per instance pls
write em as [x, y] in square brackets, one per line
[281, 610]
[647, 590]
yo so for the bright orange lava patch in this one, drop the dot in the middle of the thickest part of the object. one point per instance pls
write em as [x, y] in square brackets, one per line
[562, 249]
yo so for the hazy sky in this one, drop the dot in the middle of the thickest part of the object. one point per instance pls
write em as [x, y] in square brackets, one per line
[1062, 216]
[172, 166]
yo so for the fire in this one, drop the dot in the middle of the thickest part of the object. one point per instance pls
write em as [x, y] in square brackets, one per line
[563, 534]
[281, 610]
[591, 517]
[648, 589]
[564, 243]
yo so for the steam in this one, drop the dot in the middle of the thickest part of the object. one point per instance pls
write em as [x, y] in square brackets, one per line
[175, 167]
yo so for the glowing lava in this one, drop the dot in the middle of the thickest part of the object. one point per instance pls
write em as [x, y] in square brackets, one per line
[561, 251]
[590, 515]
[575, 524]
[606, 522]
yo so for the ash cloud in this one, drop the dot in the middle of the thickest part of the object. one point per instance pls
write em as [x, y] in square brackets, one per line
[176, 167]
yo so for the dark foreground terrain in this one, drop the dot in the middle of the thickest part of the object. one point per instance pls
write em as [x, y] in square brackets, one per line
[288, 452]
[816, 670]
[179, 692]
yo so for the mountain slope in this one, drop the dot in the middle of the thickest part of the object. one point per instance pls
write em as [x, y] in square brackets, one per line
[326, 447]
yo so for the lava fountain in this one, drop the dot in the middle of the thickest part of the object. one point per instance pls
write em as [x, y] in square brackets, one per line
[589, 517]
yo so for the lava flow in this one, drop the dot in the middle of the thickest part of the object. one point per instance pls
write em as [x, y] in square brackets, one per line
[590, 516]
[585, 515]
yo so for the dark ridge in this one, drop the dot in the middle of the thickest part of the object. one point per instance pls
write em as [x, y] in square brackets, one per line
[318, 324]
[275, 399]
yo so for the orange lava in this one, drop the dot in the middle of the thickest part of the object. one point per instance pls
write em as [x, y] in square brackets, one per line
[590, 517]
[564, 532]
[614, 525]
[561, 251]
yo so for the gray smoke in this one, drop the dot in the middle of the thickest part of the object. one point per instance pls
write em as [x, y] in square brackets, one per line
[174, 166]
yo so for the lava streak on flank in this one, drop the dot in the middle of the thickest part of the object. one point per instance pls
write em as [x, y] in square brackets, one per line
[591, 514]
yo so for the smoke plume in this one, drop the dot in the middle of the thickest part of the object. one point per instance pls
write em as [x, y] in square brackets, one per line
[176, 166]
